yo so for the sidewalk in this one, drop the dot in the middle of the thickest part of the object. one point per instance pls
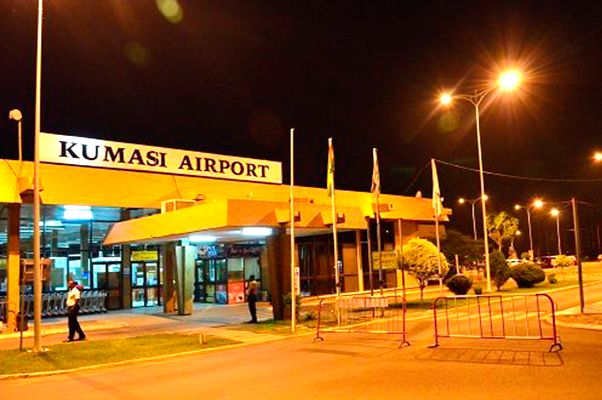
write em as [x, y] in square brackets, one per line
[206, 319]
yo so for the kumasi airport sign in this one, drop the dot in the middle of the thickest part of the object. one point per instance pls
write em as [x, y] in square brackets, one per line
[73, 150]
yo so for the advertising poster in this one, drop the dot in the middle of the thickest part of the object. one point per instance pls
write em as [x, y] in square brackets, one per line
[236, 292]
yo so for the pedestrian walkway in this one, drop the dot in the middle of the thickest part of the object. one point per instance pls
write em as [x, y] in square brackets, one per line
[206, 318]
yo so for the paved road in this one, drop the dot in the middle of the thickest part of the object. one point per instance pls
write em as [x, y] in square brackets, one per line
[348, 366]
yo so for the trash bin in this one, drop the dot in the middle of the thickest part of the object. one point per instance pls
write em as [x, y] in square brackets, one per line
[22, 322]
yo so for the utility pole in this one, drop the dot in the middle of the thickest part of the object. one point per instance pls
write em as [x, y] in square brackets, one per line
[578, 253]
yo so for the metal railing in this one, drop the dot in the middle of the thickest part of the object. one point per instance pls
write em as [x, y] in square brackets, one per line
[496, 317]
[363, 314]
[54, 304]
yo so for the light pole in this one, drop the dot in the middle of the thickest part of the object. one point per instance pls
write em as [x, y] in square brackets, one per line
[37, 273]
[535, 204]
[556, 214]
[472, 202]
[15, 115]
[507, 81]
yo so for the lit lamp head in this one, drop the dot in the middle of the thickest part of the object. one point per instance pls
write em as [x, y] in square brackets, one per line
[554, 212]
[598, 156]
[517, 207]
[445, 99]
[509, 80]
[518, 233]
[15, 115]
[538, 203]
[461, 200]
[485, 197]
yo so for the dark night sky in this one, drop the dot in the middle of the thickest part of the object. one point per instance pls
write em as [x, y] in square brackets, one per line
[233, 76]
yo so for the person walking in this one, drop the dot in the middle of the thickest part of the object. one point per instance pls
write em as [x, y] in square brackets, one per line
[73, 298]
[252, 298]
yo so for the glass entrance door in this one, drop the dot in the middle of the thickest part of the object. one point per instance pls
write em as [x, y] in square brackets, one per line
[106, 276]
[211, 281]
[145, 284]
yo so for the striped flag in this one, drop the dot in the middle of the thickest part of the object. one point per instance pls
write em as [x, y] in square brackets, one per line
[330, 169]
[437, 206]
[375, 189]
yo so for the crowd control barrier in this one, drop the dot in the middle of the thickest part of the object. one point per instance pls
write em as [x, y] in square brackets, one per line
[54, 304]
[366, 314]
[496, 317]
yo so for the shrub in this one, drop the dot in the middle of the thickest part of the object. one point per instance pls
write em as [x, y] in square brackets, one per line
[552, 279]
[500, 271]
[527, 274]
[421, 259]
[477, 290]
[459, 284]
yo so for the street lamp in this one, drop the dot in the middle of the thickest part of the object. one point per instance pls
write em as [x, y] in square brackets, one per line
[556, 214]
[538, 203]
[597, 156]
[15, 115]
[472, 202]
[507, 81]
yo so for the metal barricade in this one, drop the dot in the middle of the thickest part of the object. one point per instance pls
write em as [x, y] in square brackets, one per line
[366, 314]
[496, 317]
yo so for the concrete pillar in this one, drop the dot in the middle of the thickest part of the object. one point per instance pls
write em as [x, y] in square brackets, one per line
[185, 264]
[126, 268]
[84, 234]
[168, 254]
[13, 268]
[358, 255]
[278, 257]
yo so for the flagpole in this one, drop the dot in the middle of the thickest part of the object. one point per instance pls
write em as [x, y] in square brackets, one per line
[378, 238]
[335, 242]
[437, 212]
[292, 232]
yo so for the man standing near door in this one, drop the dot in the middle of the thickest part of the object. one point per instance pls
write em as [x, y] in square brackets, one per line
[73, 298]
[252, 298]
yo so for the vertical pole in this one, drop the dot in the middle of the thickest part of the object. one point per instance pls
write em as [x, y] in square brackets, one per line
[598, 236]
[558, 234]
[531, 252]
[370, 263]
[578, 252]
[37, 283]
[474, 220]
[483, 208]
[20, 133]
[438, 255]
[292, 218]
[358, 254]
[335, 241]
[378, 244]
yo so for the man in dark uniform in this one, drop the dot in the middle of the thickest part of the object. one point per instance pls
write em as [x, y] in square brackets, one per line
[252, 298]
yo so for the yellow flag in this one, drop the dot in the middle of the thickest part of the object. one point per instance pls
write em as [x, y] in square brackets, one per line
[330, 169]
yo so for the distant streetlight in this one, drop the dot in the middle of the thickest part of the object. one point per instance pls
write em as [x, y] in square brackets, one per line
[15, 115]
[556, 214]
[472, 202]
[537, 203]
[507, 81]
[597, 156]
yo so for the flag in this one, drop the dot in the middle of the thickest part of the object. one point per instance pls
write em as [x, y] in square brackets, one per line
[437, 206]
[330, 169]
[375, 189]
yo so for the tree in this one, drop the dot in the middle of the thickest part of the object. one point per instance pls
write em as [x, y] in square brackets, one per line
[420, 259]
[501, 227]
[468, 249]
[500, 271]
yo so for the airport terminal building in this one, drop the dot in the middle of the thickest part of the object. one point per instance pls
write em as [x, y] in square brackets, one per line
[154, 226]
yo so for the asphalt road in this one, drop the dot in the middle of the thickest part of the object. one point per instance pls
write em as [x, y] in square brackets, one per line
[347, 366]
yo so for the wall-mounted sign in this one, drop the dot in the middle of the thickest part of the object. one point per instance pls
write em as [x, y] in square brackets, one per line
[73, 150]
[389, 260]
[145, 255]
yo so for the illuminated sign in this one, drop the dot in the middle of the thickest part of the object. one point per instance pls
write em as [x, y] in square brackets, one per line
[389, 260]
[72, 150]
[145, 255]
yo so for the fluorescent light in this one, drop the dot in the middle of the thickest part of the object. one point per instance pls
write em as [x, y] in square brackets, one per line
[78, 213]
[51, 223]
[256, 231]
[201, 238]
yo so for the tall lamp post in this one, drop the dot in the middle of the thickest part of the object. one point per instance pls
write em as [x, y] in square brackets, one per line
[37, 273]
[535, 204]
[472, 203]
[507, 81]
[15, 115]
[556, 214]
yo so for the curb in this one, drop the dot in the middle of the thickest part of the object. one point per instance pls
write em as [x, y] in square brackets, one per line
[140, 360]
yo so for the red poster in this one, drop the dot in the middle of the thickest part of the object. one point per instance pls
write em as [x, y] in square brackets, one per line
[236, 292]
